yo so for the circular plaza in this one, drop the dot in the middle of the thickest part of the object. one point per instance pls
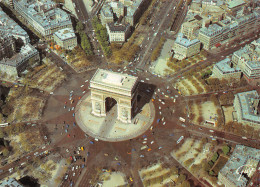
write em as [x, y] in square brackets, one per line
[109, 128]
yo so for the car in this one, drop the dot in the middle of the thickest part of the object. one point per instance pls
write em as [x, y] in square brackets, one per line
[96, 139]
[86, 80]
[147, 79]
[183, 125]
[78, 152]
[72, 108]
[244, 137]
[36, 153]
[152, 142]
[82, 85]
[164, 123]
[66, 177]
[43, 147]
[69, 109]
[141, 156]
[33, 125]
[1, 171]
[142, 80]
[105, 154]
[67, 150]
[51, 93]
[73, 174]
[211, 131]
[77, 167]
[10, 170]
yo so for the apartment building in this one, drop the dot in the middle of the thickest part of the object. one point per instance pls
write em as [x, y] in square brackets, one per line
[240, 167]
[118, 32]
[9, 26]
[14, 66]
[224, 70]
[246, 107]
[65, 38]
[184, 47]
[43, 16]
[229, 28]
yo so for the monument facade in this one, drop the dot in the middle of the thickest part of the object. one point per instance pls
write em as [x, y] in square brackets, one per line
[112, 88]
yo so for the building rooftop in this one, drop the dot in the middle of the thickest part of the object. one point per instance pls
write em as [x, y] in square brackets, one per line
[106, 11]
[118, 27]
[7, 25]
[246, 106]
[45, 13]
[211, 30]
[65, 34]
[243, 158]
[26, 52]
[235, 3]
[182, 40]
[114, 79]
[225, 68]
[12, 182]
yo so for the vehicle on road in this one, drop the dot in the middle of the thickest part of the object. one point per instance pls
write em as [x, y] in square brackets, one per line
[180, 139]
[211, 131]
[141, 156]
[244, 137]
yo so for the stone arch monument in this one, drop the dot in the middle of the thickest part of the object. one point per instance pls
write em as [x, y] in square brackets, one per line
[121, 87]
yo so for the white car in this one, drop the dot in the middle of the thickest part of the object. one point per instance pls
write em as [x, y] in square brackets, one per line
[10, 170]
[81, 85]
[73, 174]
[147, 79]
[36, 153]
[72, 108]
[86, 80]
[141, 156]
[43, 147]
[211, 131]
[152, 142]
[72, 168]
[77, 167]
[142, 80]
[67, 150]
[164, 123]
[66, 177]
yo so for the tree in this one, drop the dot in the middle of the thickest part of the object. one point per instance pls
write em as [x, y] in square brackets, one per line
[5, 152]
[2, 134]
[211, 172]
[225, 149]
[80, 27]
[185, 184]
[181, 178]
[215, 157]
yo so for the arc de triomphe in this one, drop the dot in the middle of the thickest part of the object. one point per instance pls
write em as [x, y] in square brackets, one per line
[109, 87]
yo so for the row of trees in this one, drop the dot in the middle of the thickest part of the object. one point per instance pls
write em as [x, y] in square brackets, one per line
[85, 43]
[13, 129]
[102, 36]
[156, 52]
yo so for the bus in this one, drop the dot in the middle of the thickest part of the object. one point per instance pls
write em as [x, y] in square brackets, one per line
[4, 124]
[180, 139]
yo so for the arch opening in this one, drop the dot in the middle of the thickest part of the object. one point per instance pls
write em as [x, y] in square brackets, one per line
[110, 103]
